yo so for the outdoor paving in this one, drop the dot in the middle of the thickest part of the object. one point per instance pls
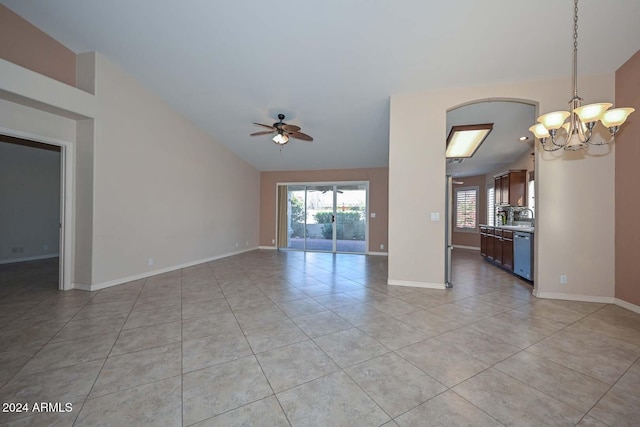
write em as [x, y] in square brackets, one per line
[355, 246]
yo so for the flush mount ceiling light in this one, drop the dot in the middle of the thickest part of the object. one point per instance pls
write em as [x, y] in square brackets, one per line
[281, 138]
[582, 118]
[463, 141]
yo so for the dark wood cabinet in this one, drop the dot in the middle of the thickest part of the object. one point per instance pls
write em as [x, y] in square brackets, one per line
[483, 241]
[490, 241]
[511, 188]
[496, 245]
[497, 189]
[507, 249]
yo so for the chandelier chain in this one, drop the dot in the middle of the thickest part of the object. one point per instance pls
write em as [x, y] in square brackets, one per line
[577, 132]
[575, 25]
[575, 48]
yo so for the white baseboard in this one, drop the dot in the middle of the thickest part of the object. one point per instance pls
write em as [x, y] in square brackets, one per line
[627, 305]
[29, 258]
[115, 282]
[416, 284]
[270, 248]
[81, 287]
[587, 298]
[378, 253]
[473, 248]
[573, 297]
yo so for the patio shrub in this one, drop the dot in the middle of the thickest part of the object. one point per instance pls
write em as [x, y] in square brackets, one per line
[350, 220]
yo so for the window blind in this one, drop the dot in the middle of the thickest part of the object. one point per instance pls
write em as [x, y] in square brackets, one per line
[491, 208]
[466, 209]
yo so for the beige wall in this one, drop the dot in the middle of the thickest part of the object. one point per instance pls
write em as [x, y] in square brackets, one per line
[29, 201]
[27, 46]
[471, 239]
[627, 196]
[163, 189]
[147, 184]
[378, 199]
[574, 191]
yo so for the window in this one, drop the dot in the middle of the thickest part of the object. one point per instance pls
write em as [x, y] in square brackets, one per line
[466, 206]
[491, 208]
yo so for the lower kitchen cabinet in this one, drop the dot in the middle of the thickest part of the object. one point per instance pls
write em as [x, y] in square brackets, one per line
[496, 245]
[483, 241]
[490, 244]
[507, 250]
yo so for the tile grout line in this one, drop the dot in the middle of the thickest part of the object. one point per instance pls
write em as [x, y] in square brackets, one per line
[110, 350]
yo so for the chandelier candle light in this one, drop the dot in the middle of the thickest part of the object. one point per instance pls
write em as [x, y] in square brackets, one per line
[582, 118]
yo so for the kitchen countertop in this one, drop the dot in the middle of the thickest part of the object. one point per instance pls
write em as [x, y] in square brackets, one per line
[523, 228]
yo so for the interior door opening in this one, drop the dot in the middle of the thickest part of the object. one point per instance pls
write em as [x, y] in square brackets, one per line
[325, 217]
[32, 212]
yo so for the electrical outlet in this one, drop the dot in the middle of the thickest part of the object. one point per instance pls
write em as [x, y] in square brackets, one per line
[150, 262]
[246, 243]
[381, 246]
[273, 241]
[563, 279]
[373, 214]
[435, 216]
[45, 247]
[237, 244]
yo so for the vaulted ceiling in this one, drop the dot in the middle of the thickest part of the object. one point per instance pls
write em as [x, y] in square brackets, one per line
[330, 66]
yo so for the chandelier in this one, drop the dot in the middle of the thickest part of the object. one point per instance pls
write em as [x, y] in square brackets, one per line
[578, 130]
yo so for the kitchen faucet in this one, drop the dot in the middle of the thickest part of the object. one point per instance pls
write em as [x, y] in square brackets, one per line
[530, 210]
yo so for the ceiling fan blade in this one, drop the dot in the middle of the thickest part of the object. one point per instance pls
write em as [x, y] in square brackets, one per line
[265, 126]
[265, 132]
[291, 128]
[300, 135]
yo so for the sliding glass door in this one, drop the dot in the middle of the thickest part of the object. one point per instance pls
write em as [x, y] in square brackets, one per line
[351, 218]
[323, 217]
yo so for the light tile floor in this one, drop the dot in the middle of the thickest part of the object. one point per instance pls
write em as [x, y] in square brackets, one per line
[269, 338]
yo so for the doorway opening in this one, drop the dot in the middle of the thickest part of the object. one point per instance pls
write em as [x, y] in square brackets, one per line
[35, 207]
[324, 217]
[471, 201]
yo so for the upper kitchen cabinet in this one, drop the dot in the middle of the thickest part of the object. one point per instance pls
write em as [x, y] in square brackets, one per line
[511, 188]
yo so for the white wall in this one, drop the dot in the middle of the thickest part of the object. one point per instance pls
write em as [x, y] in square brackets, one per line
[159, 187]
[575, 193]
[29, 202]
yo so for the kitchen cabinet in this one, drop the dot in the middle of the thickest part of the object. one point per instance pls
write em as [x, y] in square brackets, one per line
[497, 246]
[490, 232]
[483, 241]
[507, 250]
[511, 188]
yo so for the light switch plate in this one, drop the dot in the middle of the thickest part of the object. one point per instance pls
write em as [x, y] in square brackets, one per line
[435, 216]
[373, 214]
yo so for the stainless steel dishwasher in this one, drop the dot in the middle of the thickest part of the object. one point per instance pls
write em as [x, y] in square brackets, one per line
[523, 254]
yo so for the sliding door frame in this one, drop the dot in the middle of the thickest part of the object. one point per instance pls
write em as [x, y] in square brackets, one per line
[334, 185]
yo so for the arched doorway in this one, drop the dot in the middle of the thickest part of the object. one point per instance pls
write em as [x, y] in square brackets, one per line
[472, 206]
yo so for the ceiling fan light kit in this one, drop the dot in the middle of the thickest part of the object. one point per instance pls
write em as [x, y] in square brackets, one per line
[284, 132]
[281, 139]
[578, 131]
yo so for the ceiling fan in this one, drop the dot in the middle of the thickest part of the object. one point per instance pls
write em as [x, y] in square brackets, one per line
[283, 131]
